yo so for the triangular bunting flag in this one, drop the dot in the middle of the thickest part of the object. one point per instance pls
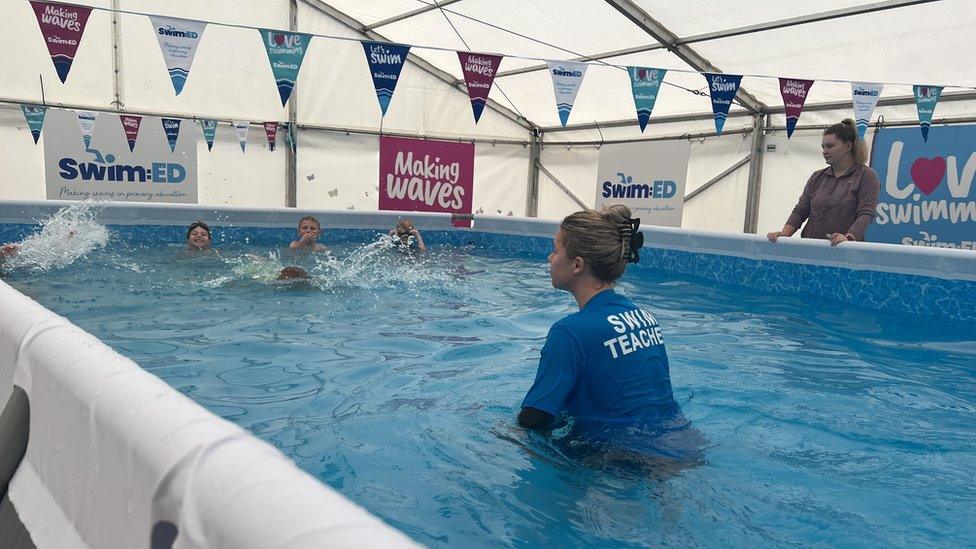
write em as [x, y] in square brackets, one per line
[479, 72]
[178, 40]
[34, 114]
[62, 26]
[131, 124]
[865, 97]
[566, 79]
[86, 121]
[271, 130]
[290, 139]
[926, 97]
[172, 128]
[385, 62]
[645, 82]
[241, 129]
[794, 92]
[722, 88]
[209, 132]
[286, 50]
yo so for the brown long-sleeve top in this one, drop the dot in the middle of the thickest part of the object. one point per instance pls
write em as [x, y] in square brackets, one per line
[842, 204]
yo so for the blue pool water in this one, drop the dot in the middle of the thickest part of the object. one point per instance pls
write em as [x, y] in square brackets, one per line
[396, 381]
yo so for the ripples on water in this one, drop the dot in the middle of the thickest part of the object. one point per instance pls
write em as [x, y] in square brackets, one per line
[396, 380]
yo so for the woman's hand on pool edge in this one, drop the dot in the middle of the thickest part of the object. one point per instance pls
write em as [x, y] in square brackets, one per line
[837, 238]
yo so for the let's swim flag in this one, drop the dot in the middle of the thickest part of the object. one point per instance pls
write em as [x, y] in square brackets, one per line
[722, 88]
[385, 63]
[271, 131]
[567, 76]
[178, 40]
[130, 124]
[34, 114]
[241, 129]
[62, 26]
[926, 97]
[286, 50]
[865, 97]
[86, 121]
[794, 92]
[209, 132]
[479, 73]
[645, 82]
[172, 128]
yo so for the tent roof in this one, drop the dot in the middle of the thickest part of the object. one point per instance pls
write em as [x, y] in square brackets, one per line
[897, 42]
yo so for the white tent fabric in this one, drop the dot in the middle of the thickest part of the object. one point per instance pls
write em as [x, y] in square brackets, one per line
[898, 42]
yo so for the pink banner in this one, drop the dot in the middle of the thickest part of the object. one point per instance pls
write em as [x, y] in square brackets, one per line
[479, 72]
[62, 26]
[419, 175]
[271, 130]
[794, 92]
[131, 126]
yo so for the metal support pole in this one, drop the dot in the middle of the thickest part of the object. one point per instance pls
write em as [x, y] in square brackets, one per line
[532, 191]
[291, 151]
[119, 101]
[755, 173]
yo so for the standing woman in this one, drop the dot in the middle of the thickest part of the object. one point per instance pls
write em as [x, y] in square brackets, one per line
[606, 364]
[838, 202]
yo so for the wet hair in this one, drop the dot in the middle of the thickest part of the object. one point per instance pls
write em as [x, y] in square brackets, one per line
[201, 225]
[603, 239]
[404, 226]
[846, 132]
[292, 273]
[309, 218]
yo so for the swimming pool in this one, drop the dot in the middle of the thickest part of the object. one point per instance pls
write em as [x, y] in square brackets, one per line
[395, 380]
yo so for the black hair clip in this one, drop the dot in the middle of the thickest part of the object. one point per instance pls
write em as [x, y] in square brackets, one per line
[636, 241]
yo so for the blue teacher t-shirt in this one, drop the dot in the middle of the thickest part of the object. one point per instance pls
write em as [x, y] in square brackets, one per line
[606, 363]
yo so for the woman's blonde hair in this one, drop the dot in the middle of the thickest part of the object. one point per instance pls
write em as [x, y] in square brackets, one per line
[846, 131]
[602, 238]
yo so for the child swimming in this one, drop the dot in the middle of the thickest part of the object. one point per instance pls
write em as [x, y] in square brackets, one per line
[406, 235]
[309, 230]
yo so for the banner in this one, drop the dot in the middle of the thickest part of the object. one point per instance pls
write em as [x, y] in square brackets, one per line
[113, 172]
[926, 97]
[171, 127]
[722, 88]
[86, 121]
[865, 97]
[648, 177]
[130, 124]
[426, 176]
[178, 40]
[645, 83]
[271, 131]
[241, 129]
[567, 76]
[794, 92]
[286, 50]
[209, 132]
[62, 26]
[34, 114]
[927, 196]
[479, 73]
[385, 62]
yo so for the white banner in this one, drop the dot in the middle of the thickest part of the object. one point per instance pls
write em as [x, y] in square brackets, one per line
[86, 121]
[865, 97]
[107, 170]
[241, 129]
[178, 40]
[648, 177]
[567, 76]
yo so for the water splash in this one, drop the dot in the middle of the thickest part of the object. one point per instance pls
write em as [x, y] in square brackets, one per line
[67, 236]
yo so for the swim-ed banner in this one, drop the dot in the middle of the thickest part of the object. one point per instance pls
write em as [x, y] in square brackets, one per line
[178, 40]
[648, 177]
[422, 175]
[927, 196]
[62, 26]
[240, 128]
[567, 76]
[34, 114]
[865, 96]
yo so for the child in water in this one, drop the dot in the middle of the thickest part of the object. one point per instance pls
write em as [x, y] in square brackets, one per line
[403, 232]
[309, 231]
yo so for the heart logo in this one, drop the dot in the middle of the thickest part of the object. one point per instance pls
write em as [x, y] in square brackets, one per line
[927, 173]
[279, 39]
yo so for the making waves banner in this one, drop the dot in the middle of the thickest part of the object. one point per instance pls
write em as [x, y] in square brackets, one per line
[178, 40]
[794, 92]
[648, 177]
[422, 175]
[927, 196]
[479, 72]
[62, 27]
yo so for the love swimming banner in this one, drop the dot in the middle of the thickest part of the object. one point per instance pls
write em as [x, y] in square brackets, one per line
[209, 132]
[385, 63]
[865, 97]
[34, 114]
[479, 73]
[645, 83]
[722, 88]
[926, 97]
[178, 40]
[794, 92]
[62, 26]
[286, 50]
[171, 126]
[567, 77]
[130, 124]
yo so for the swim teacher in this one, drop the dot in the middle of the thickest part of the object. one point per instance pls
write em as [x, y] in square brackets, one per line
[607, 362]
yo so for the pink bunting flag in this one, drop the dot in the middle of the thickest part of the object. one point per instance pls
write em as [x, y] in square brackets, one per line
[479, 73]
[62, 26]
[794, 92]
[271, 130]
[131, 124]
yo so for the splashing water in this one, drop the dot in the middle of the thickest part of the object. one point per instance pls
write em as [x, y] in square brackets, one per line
[65, 237]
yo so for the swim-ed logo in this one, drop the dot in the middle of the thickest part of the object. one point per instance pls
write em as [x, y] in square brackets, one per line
[626, 188]
[170, 30]
[106, 169]
[865, 92]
